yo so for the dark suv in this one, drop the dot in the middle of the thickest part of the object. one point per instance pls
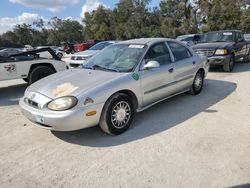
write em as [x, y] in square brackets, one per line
[223, 48]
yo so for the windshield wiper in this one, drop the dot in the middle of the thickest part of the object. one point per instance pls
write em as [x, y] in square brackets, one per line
[87, 67]
[104, 68]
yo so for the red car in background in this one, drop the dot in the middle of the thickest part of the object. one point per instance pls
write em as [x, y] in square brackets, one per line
[83, 46]
[72, 48]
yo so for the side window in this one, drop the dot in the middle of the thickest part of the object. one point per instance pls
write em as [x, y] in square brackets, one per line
[180, 52]
[158, 52]
[240, 36]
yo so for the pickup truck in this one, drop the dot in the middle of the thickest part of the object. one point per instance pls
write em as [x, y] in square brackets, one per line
[223, 48]
[29, 66]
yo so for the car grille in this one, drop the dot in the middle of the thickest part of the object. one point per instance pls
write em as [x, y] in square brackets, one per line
[78, 58]
[31, 103]
[74, 65]
[207, 53]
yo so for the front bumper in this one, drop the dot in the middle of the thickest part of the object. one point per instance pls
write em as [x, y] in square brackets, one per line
[69, 120]
[218, 60]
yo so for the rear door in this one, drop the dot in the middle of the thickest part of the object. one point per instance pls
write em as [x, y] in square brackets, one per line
[157, 83]
[185, 65]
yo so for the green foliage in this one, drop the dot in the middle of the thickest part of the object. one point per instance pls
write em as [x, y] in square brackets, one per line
[223, 14]
[38, 35]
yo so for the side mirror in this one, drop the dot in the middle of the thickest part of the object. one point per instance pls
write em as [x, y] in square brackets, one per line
[151, 65]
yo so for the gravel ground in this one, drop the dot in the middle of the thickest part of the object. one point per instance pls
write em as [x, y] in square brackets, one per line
[186, 141]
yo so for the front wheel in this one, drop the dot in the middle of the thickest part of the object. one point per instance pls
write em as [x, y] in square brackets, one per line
[246, 58]
[117, 114]
[230, 65]
[197, 83]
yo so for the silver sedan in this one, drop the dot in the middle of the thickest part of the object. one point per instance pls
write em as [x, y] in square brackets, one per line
[124, 78]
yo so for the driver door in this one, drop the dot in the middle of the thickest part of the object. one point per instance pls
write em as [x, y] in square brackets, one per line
[157, 83]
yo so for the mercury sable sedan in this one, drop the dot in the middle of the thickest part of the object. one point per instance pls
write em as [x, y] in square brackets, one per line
[124, 78]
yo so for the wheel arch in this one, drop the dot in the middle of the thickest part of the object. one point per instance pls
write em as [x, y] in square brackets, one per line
[42, 64]
[130, 94]
[202, 70]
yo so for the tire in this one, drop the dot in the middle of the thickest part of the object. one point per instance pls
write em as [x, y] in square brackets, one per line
[197, 83]
[117, 114]
[60, 55]
[38, 73]
[246, 59]
[229, 66]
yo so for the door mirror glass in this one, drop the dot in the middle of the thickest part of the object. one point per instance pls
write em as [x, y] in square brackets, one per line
[151, 65]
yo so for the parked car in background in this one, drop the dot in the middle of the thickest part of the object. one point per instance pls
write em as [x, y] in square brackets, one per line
[83, 46]
[121, 79]
[71, 48]
[6, 52]
[81, 57]
[247, 37]
[190, 39]
[29, 66]
[223, 48]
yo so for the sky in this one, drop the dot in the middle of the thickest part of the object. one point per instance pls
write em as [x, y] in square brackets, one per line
[14, 12]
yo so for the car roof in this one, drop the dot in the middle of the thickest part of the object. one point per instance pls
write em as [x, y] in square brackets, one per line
[225, 31]
[145, 41]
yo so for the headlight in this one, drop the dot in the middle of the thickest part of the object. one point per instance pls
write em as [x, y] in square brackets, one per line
[63, 103]
[221, 52]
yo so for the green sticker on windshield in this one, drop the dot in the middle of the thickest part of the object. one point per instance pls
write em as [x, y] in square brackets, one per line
[135, 76]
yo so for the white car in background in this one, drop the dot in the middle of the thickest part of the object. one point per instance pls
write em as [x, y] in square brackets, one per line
[190, 39]
[29, 66]
[79, 58]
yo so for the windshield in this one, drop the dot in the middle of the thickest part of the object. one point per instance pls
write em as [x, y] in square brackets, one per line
[118, 57]
[185, 38]
[218, 37]
[100, 46]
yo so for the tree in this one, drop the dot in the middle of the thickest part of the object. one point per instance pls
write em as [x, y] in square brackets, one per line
[178, 17]
[64, 31]
[222, 14]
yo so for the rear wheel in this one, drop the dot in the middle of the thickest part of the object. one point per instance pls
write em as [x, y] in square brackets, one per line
[197, 83]
[230, 65]
[60, 55]
[38, 73]
[117, 114]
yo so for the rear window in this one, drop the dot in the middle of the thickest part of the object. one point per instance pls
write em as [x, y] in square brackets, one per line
[180, 52]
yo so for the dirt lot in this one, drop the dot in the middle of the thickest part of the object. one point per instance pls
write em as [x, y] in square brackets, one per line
[187, 141]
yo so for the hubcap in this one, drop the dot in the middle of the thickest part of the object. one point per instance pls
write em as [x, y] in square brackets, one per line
[120, 115]
[198, 82]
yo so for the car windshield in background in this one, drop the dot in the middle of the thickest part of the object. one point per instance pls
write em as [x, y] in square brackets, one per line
[218, 37]
[118, 57]
[100, 46]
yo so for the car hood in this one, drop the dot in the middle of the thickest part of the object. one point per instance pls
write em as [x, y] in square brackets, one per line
[86, 53]
[214, 45]
[72, 82]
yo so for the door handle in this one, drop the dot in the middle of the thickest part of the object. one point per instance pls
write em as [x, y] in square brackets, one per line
[171, 70]
[194, 62]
